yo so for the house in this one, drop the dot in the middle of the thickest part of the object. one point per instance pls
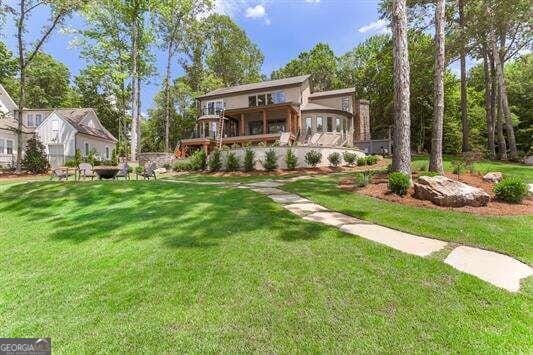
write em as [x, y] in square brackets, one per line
[283, 110]
[62, 131]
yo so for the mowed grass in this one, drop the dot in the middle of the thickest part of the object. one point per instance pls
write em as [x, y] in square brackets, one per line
[164, 267]
[511, 235]
[508, 169]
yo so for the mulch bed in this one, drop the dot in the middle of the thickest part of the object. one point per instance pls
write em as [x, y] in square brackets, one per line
[11, 175]
[378, 189]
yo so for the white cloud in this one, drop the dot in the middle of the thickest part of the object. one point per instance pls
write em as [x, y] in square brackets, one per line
[257, 11]
[380, 26]
[312, 1]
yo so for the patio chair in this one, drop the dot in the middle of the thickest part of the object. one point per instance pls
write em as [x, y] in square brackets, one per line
[60, 174]
[123, 171]
[148, 171]
[85, 170]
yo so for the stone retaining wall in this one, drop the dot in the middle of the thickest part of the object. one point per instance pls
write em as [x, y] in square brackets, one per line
[160, 159]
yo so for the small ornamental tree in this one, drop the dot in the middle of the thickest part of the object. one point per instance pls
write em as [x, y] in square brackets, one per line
[249, 159]
[334, 159]
[215, 163]
[349, 158]
[291, 160]
[35, 159]
[271, 160]
[232, 162]
[313, 157]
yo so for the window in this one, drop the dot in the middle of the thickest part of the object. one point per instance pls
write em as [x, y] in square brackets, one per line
[38, 119]
[30, 120]
[329, 122]
[344, 125]
[55, 124]
[87, 149]
[319, 124]
[261, 100]
[256, 127]
[252, 101]
[270, 101]
[2, 145]
[213, 107]
[338, 124]
[278, 97]
[9, 144]
[276, 126]
[308, 125]
[345, 103]
[107, 152]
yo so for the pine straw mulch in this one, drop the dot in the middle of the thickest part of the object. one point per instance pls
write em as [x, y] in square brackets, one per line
[378, 189]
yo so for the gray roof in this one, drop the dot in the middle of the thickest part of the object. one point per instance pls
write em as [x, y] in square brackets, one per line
[75, 116]
[258, 86]
[332, 92]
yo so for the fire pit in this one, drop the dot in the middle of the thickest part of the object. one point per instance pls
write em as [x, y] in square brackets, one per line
[106, 172]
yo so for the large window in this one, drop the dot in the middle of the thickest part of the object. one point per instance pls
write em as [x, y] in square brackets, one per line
[2, 146]
[319, 124]
[38, 119]
[308, 125]
[261, 100]
[338, 124]
[256, 127]
[9, 145]
[276, 97]
[213, 107]
[252, 101]
[30, 120]
[276, 126]
[329, 122]
[270, 100]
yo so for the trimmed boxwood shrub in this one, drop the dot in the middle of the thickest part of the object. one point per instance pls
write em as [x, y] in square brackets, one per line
[35, 159]
[399, 183]
[361, 161]
[232, 162]
[510, 189]
[334, 159]
[313, 157]
[349, 158]
[249, 159]
[199, 160]
[183, 165]
[371, 160]
[215, 164]
[271, 160]
[291, 160]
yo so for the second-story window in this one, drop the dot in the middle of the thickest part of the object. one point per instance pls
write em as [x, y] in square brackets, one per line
[270, 98]
[345, 104]
[261, 100]
[252, 101]
[213, 107]
[30, 120]
[278, 97]
[38, 119]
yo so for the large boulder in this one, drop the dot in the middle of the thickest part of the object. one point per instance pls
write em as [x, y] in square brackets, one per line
[446, 192]
[494, 176]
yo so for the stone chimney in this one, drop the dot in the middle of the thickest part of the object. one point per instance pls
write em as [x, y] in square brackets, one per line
[362, 121]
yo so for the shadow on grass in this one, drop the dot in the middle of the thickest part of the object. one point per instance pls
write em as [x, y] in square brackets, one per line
[182, 216]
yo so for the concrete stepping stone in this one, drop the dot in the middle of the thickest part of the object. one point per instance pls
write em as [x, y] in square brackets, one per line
[302, 209]
[267, 183]
[405, 242]
[288, 198]
[268, 191]
[497, 269]
[335, 219]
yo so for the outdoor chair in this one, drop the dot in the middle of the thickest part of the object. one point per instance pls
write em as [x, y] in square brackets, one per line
[148, 171]
[60, 174]
[123, 171]
[85, 170]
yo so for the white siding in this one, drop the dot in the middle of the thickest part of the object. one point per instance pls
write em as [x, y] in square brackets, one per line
[94, 143]
[55, 130]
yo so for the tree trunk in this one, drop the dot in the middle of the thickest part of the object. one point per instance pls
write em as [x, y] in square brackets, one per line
[22, 79]
[502, 146]
[135, 121]
[167, 97]
[435, 159]
[488, 104]
[502, 94]
[494, 106]
[464, 99]
[401, 158]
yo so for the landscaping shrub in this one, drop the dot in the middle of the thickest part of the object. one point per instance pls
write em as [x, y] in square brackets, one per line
[313, 157]
[399, 183]
[215, 164]
[199, 160]
[232, 162]
[362, 179]
[334, 159]
[511, 189]
[249, 160]
[291, 160]
[361, 161]
[139, 169]
[183, 165]
[71, 163]
[35, 159]
[349, 158]
[371, 160]
[271, 160]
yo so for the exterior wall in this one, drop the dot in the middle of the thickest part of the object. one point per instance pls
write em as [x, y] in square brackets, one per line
[334, 102]
[7, 160]
[33, 113]
[292, 94]
[160, 159]
[362, 121]
[6, 103]
[61, 133]
[305, 92]
[324, 116]
[281, 152]
[94, 143]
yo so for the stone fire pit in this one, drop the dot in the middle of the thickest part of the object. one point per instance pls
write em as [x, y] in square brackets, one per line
[106, 172]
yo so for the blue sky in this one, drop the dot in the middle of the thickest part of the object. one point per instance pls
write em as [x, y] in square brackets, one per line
[281, 29]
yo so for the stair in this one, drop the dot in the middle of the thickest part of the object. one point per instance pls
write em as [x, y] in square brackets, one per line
[220, 129]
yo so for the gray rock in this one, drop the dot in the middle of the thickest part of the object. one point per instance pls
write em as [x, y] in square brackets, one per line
[493, 176]
[446, 192]
[528, 160]
[530, 189]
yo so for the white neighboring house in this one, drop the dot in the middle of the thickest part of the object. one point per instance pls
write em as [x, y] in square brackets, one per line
[62, 131]
[67, 129]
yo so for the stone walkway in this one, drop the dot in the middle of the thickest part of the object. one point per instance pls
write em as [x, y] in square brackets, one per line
[498, 269]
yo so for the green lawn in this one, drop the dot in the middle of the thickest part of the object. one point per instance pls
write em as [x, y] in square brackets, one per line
[510, 169]
[167, 267]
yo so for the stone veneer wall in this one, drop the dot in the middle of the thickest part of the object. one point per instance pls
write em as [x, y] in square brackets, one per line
[160, 159]
[281, 152]
[362, 121]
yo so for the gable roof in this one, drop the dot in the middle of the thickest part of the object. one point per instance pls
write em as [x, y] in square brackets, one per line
[295, 80]
[75, 117]
[346, 91]
[6, 98]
